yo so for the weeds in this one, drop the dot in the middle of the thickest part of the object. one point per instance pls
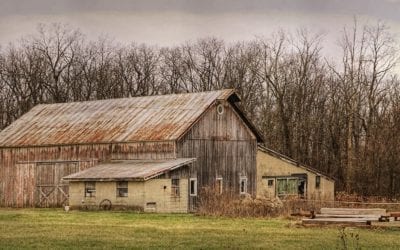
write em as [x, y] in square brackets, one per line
[348, 240]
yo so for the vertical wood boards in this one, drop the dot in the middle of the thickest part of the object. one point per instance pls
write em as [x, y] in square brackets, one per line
[50, 189]
[18, 166]
[224, 147]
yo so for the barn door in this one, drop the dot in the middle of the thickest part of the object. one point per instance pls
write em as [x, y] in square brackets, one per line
[51, 190]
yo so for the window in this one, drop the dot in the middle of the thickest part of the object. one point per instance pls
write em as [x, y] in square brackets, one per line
[122, 189]
[193, 187]
[220, 109]
[270, 183]
[151, 206]
[287, 186]
[219, 185]
[317, 181]
[243, 185]
[175, 192]
[90, 189]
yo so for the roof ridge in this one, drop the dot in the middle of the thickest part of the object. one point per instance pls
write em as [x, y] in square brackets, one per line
[133, 97]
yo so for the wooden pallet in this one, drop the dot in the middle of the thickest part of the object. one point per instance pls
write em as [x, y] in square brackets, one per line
[346, 216]
[354, 211]
[368, 216]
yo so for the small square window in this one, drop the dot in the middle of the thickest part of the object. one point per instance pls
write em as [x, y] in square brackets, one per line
[122, 189]
[90, 189]
[193, 187]
[270, 183]
[243, 185]
[317, 181]
[175, 192]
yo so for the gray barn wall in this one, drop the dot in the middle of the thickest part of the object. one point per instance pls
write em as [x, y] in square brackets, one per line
[224, 147]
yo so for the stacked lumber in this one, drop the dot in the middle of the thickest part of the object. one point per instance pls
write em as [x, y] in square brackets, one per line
[395, 215]
[346, 216]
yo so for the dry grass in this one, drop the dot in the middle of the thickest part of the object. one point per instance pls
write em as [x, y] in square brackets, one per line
[231, 205]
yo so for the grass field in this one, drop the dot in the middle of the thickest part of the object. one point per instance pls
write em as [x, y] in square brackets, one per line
[54, 228]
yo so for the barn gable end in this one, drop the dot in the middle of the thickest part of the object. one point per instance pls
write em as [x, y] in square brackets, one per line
[225, 148]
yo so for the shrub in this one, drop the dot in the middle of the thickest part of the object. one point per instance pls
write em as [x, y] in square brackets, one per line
[211, 202]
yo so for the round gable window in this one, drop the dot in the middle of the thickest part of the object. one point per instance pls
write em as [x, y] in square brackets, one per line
[220, 109]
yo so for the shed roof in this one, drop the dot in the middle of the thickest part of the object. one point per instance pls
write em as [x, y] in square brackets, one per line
[138, 170]
[149, 118]
[293, 162]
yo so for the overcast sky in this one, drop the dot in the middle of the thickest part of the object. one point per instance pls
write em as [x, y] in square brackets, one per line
[169, 22]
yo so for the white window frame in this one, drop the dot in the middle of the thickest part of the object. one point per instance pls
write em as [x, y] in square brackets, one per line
[220, 109]
[194, 193]
[90, 192]
[241, 179]
[120, 186]
[221, 187]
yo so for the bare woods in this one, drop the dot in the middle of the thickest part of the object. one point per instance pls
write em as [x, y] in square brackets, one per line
[339, 115]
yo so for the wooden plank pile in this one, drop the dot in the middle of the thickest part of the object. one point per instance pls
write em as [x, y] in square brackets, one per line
[347, 216]
[395, 215]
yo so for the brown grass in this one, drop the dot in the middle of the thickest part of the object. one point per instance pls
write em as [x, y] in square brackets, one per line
[232, 205]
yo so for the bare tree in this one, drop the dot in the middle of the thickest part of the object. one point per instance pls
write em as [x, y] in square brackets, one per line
[136, 70]
[342, 118]
[59, 46]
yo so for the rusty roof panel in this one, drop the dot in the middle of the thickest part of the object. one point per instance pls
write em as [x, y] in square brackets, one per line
[150, 118]
[129, 170]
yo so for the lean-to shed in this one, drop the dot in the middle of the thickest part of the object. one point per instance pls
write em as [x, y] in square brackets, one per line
[53, 141]
[146, 185]
[283, 177]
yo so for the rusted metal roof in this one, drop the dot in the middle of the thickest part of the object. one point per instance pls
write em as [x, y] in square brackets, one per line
[150, 118]
[137, 170]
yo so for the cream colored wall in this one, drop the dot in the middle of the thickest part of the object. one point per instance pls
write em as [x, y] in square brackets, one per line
[268, 165]
[165, 203]
[76, 194]
[139, 195]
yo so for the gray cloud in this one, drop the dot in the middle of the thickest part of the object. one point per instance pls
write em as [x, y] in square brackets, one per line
[168, 22]
[385, 9]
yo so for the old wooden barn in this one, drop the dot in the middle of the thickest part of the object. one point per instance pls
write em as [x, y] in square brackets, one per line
[162, 143]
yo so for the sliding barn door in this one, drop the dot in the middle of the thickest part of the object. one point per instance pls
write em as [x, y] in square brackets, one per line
[50, 189]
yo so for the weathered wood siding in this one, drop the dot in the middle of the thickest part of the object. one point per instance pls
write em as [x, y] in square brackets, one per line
[18, 166]
[40, 183]
[224, 147]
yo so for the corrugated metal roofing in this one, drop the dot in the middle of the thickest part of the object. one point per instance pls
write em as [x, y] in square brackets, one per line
[129, 170]
[150, 118]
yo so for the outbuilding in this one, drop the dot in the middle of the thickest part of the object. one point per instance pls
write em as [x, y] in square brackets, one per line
[149, 185]
[283, 177]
